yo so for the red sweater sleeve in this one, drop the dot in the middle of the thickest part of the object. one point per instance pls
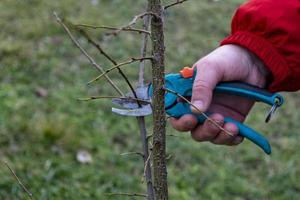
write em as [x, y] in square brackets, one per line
[271, 30]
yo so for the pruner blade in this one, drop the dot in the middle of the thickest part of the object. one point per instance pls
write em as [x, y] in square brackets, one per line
[129, 105]
[143, 111]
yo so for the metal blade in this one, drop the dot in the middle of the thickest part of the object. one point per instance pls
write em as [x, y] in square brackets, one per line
[141, 92]
[143, 111]
[125, 103]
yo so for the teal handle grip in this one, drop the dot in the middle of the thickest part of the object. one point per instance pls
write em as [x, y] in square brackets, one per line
[183, 86]
[250, 92]
[184, 108]
[251, 135]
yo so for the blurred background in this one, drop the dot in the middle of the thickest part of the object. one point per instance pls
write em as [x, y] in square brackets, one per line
[44, 130]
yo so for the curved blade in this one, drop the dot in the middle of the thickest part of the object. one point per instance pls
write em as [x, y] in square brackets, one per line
[128, 103]
[141, 92]
[143, 111]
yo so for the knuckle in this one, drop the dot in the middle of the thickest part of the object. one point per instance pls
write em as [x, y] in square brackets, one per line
[201, 85]
[205, 62]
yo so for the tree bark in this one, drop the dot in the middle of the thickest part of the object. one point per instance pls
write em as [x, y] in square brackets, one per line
[158, 102]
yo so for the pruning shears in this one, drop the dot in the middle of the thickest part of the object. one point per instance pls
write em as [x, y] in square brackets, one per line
[182, 84]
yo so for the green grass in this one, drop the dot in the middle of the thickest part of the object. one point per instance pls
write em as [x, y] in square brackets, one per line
[40, 136]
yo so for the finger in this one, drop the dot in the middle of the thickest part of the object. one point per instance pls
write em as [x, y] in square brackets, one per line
[184, 123]
[208, 131]
[237, 140]
[208, 75]
[225, 138]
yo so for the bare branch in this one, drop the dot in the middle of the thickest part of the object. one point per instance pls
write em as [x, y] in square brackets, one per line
[144, 50]
[202, 113]
[132, 60]
[19, 181]
[134, 21]
[132, 153]
[128, 29]
[95, 44]
[147, 162]
[128, 194]
[98, 67]
[174, 4]
[141, 120]
[112, 97]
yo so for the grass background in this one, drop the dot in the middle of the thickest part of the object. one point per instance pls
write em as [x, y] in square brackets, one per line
[40, 136]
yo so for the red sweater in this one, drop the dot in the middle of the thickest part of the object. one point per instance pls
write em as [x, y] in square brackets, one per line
[271, 30]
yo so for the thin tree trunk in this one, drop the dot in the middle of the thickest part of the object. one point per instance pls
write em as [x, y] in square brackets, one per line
[141, 120]
[159, 121]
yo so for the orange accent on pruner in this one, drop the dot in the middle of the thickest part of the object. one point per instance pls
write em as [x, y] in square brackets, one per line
[187, 72]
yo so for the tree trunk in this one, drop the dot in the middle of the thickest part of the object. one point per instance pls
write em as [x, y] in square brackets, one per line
[159, 121]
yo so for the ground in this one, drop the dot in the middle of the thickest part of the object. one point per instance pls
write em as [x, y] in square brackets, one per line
[43, 126]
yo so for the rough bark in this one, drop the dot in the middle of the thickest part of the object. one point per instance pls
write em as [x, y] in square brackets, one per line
[159, 121]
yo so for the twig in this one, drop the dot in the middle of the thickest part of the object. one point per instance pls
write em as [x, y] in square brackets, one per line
[147, 162]
[174, 4]
[128, 194]
[95, 44]
[169, 157]
[141, 120]
[132, 60]
[149, 136]
[133, 22]
[202, 113]
[144, 50]
[98, 67]
[114, 28]
[112, 97]
[19, 181]
[132, 153]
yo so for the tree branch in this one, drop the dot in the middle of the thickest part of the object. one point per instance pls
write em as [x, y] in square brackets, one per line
[128, 29]
[174, 4]
[147, 162]
[117, 66]
[132, 60]
[158, 102]
[132, 153]
[19, 181]
[83, 51]
[133, 21]
[141, 120]
[144, 50]
[96, 45]
[128, 194]
[112, 97]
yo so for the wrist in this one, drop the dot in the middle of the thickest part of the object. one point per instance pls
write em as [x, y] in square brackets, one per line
[259, 74]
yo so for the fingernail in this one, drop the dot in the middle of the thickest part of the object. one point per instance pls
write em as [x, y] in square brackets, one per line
[199, 104]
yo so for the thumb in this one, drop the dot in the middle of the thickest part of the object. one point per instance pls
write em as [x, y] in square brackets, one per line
[208, 76]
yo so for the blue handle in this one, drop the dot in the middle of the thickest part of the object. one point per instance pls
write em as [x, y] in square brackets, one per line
[182, 108]
[251, 135]
[183, 86]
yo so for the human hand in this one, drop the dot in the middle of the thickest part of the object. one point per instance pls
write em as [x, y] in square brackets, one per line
[226, 63]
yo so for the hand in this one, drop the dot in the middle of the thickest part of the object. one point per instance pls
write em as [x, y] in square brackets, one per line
[226, 63]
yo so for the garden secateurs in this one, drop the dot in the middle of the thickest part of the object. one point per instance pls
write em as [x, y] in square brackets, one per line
[182, 84]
